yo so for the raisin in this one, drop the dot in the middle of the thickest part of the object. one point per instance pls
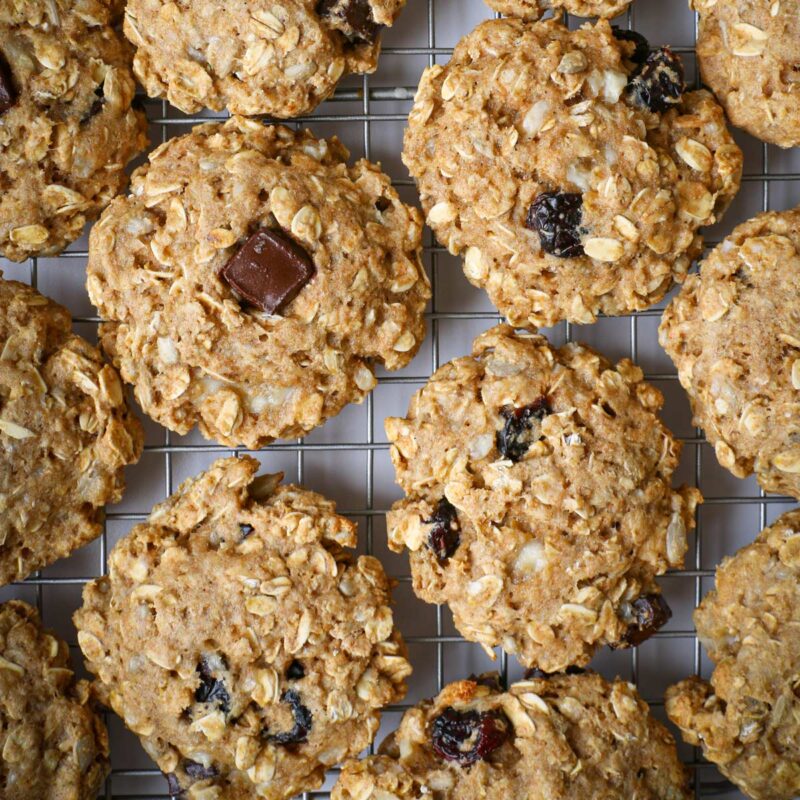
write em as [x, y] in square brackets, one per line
[302, 721]
[650, 613]
[642, 46]
[198, 772]
[295, 671]
[445, 535]
[658, 83]
[353, 17]
[556, 217]
[467, 736]
[518, 432]
[97, 105]
[211, 690]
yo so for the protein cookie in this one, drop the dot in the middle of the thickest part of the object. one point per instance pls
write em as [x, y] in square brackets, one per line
[569, 168]
[67, 129]
[747, 51]
[557, 737]
[260, 57]
[533, 9]
[237, 637]
[538, 498]
[66, 434]
[54, 745]
[747, 717]
[733, 334]
[252, 278]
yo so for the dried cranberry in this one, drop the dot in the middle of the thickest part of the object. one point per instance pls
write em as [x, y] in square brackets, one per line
[518, 434]
[658, 83]
[354, 18]
[211, 689]
[302, 721]
[467, 736]
[650, 613]
[642, 46]
[556, 217]
[445, 535]
[295, 671]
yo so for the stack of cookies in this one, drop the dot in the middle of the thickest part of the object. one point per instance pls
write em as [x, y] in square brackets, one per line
[251, 279]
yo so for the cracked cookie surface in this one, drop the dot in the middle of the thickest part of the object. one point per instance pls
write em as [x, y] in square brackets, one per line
[747, 51]
[554, 738]
[746, 717]
[66, 434]
[538, 498]
[734, 334]
[177, 329]
[54, 745]
[240, 640]
[526, 111]
[67, 129]
[533, 9]
[254, 57]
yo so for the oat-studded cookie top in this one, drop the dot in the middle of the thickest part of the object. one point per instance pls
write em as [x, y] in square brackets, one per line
[538, 498]
[240, 641]
[252, 277]
[553, 738]
[734, 335]
[251, 57]
[533, 9]
[569, 168]
[54, 746]
[747, 51]
[66, 434]
[746, 718]
[67, 128]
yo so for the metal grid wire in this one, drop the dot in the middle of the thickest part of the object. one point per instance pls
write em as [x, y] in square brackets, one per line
[368, 96]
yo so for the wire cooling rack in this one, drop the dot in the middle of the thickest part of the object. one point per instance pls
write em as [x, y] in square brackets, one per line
[348, 458]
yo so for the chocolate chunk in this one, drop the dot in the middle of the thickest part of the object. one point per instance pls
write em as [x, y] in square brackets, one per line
[269, 271]
[468, 736]
[211, 690]
[295, 671]
[445, 535]
[8, 91]
[649, 613]
[353, 17]
[302, 721]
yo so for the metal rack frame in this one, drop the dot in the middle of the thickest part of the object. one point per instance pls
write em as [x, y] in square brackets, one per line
[367, 96]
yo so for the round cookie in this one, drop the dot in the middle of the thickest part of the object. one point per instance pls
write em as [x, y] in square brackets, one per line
[747, 51]
[733, 335]
[66, 434]
[237, 637]
[170, 267]
[533, 9]
[747, 718]
[254, 56]
[54, 745]
[538, 498]
[572, 179]
[67, 129]
[552, 738]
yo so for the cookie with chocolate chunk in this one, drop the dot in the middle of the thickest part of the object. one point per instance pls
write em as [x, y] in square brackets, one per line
[261, 57]
[258, 309]
[539, 503]
[67, 127]
[238, 637]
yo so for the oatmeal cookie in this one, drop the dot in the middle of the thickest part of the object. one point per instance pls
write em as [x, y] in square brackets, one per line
[533, 9]
[572, 178]
[734, 336]
[557, 737]
[251, 278]
[747, 51]
[254, 56]
[747, 718]
[67, 128]
[54, 746]
[66, 434]
[237, 637]
[538, 498]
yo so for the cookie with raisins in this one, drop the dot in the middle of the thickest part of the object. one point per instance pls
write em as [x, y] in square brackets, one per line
[539, 503]
[240, 640]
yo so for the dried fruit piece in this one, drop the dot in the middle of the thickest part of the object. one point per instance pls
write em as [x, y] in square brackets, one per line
[211, 689]
[467, 736]
[8, 91]
[445, 535]
[302, 721]
[642, 46]
[520, 430]
[173, 787]
[198, 772]
[295, 671]
[269, 270]
[556, 217]
[354, 17]
[658, 83]
[649, 613]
